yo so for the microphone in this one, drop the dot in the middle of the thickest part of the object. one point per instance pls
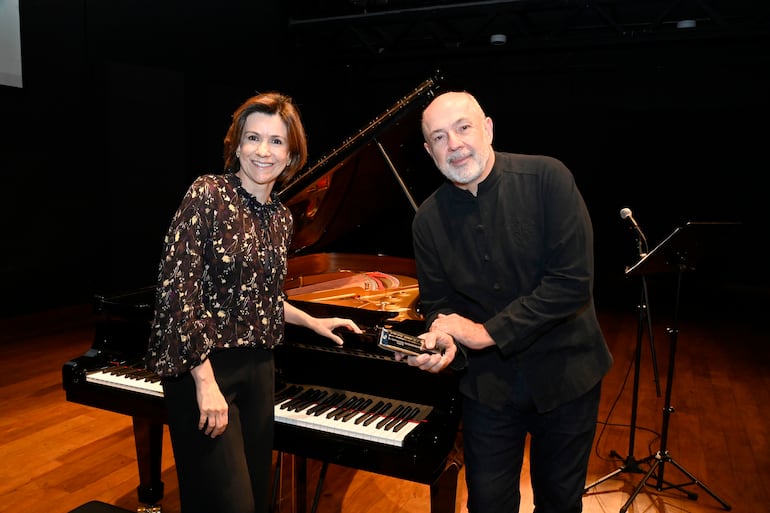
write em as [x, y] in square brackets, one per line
[625, 213]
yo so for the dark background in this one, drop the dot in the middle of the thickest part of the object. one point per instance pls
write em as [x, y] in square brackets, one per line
[125, 102]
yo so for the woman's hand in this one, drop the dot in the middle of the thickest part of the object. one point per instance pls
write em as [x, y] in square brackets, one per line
[325, 326]
[211, 403]
[321, 325]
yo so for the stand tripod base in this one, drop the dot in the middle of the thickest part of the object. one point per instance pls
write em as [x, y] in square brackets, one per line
[630, 465]
[660, 459]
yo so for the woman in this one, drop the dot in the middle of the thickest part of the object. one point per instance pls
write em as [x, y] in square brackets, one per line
[220, 310]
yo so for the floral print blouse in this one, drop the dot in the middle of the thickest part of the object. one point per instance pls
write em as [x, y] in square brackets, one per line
[220, 281]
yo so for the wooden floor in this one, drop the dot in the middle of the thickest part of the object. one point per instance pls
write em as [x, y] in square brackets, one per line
[56, 455]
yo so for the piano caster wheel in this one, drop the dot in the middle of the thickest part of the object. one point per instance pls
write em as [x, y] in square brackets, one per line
[148, 508]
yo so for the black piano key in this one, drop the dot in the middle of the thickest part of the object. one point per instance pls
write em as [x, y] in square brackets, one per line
[291, 402]
[396, 413]
[343, 412]
[287, 392]
[139, 374]
[359, 412]
[340, 408]
[297, 400]
[344, 409]
[319, 404]
[134, 372]
[396, 419]
[355, 410]
[311, 401]
[371, 412]
[149, 376]
[329, 406]
[119, 370]
[385, 409]
[406, 420]
[128, 372]
[326, 404]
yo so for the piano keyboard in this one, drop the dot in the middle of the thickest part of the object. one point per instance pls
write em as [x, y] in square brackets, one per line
[361, 416]
[340, 412]
[127, 378]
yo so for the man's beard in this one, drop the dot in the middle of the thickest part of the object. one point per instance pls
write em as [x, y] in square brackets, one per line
[469, 172]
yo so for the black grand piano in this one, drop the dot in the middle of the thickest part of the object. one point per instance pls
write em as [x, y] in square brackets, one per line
[350, 256]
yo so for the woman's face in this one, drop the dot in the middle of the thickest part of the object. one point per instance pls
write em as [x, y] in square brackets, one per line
[263, 152]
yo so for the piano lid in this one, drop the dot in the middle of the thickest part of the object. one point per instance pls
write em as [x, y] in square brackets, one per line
[361, 197]
[351, 208]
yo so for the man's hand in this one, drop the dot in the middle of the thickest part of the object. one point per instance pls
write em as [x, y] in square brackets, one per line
[472, 335]
[443, 351]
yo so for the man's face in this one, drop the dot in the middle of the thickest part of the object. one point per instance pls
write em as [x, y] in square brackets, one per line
[459, 138]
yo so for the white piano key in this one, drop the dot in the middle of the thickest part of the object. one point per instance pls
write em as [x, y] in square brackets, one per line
[121, 377]
[346, 425]
[335, 419]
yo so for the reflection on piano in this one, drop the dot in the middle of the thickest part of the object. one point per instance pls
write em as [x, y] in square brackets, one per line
[352, 405]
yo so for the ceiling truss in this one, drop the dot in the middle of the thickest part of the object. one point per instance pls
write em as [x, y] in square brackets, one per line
[350, 29]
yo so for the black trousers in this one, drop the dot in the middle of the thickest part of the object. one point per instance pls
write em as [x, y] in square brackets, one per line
[560, 445]
[230, 473]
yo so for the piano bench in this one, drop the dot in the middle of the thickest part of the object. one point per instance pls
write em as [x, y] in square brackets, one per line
[99, 507]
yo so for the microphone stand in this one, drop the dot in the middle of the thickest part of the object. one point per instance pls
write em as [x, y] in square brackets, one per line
[675, 254]
[630, 463]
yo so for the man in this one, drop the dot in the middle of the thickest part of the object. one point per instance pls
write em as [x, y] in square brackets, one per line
[504, 253]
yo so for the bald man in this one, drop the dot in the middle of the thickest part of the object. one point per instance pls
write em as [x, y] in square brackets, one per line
[504, 253]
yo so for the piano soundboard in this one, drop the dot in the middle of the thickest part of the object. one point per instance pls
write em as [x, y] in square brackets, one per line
[361, 416]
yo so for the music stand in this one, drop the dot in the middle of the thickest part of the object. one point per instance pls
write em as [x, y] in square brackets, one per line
[630, 463]
[678, 253]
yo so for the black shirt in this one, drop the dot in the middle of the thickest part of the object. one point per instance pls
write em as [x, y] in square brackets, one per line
[518, 257]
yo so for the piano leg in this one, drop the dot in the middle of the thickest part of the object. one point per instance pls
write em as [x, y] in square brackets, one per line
[443, 491]
[319, 487]
[148, 437]
[276, 493]
[298, 488]
[300, 484]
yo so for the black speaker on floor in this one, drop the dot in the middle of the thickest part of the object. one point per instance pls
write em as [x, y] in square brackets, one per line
[99, 507]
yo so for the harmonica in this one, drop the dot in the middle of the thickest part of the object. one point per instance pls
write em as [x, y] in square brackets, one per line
[397, 341]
